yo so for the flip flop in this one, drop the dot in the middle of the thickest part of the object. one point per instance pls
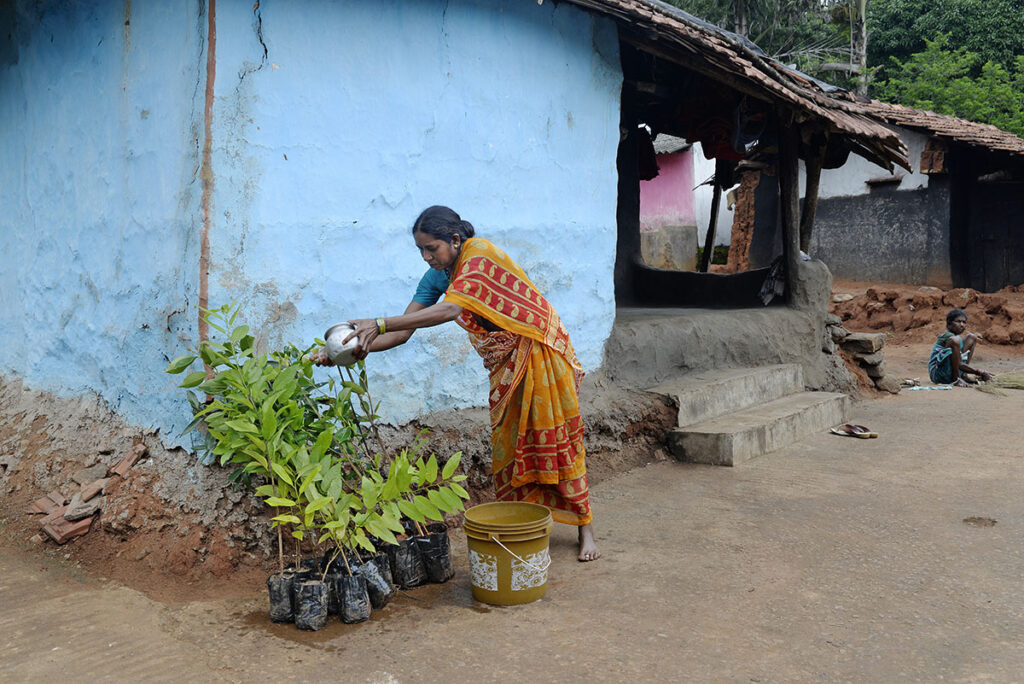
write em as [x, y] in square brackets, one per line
[864, 432]
[848, 430]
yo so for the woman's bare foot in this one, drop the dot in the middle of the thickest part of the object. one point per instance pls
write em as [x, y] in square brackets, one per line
[588, 547]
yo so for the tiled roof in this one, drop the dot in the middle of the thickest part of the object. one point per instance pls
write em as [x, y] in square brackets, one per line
[948, 127]
[741, 65]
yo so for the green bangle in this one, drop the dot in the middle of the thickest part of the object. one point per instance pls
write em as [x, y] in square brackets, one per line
[381, 328]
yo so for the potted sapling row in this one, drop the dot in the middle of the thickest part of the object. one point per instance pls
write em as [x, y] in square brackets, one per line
[307, 451]
[425, 554]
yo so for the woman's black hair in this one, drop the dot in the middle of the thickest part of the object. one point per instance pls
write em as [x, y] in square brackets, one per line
[954, 314]
[443, 224]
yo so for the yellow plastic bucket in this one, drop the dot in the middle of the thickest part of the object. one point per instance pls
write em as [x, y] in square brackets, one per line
[508, 551]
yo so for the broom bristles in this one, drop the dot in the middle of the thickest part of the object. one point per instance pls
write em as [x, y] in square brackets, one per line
[1009, 381]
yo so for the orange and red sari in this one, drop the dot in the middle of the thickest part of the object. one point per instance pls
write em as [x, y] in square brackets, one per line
[536, 429]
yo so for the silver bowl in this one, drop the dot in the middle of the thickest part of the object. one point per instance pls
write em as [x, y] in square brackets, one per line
[341, 354]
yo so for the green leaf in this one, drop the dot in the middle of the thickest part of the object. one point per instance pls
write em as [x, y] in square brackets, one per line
[265, 490]
[357, 389]
[193, 379]
[239, 333]
[409, 510]
[452, 465]
[438, 498]
[282, 473]
[241, 425]
[381, 531]
[443, 499]
[279, 501]
[364, 542]
[317, 505]
[428, 509]
[429, 473]
[391, 522]
[269, 419]
[309, 478]
[180, 364]
[322, 442]
[287, 518]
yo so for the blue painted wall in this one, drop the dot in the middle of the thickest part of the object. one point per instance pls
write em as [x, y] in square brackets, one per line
[334, 125]
[98, 154]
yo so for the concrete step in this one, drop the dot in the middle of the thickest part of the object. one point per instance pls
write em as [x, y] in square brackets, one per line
[709, 394]
[737, 437]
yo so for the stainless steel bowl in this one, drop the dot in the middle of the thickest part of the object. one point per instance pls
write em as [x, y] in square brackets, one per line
[341, 354]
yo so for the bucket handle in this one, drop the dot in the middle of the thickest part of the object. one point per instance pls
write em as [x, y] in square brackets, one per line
[521, 560]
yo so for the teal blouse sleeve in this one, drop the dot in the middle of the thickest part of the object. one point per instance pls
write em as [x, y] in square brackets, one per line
[431, 288]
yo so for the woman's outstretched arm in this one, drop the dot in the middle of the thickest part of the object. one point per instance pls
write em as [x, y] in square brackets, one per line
[398, 329]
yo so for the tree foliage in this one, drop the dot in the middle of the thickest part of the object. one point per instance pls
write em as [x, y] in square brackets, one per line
[991, 29]
[805, 33]
[941, 79]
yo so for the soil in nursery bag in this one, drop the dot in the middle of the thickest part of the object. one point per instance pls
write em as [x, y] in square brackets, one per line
[354, 599]
[279, 586]
[406, 564]
[379, 589]
[311, 608]
[436, 550]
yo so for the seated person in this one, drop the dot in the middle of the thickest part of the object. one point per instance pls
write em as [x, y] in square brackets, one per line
[953, 351]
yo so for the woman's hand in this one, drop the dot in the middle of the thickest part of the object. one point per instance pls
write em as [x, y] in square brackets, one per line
[367, 331]
[320, 358]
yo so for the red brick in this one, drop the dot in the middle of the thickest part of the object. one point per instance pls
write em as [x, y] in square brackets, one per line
[93, 488]
[62, 531]
[54, 515]
[43, 505]
[57, 498]
[126, 463]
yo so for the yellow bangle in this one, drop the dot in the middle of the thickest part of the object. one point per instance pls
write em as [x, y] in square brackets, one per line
[381, 328]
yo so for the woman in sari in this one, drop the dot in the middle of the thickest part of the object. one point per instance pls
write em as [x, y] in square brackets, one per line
[536, 428]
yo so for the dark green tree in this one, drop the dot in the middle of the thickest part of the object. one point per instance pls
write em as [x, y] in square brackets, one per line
[991, 29]
[941, 79]
[820, 37]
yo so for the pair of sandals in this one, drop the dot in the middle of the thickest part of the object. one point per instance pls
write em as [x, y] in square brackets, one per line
[850, 430]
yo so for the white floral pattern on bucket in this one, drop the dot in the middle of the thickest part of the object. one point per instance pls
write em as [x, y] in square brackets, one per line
[532, 573]
[483, 571]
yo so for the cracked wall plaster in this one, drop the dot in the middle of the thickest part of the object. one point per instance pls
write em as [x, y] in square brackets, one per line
[341, 125]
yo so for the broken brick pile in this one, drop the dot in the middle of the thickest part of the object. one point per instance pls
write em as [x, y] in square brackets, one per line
[64, 520]
[865, 349]
[998, 317]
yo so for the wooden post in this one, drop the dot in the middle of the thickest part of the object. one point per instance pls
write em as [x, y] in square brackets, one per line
[813, 166]
[789, 195]
[709, 239]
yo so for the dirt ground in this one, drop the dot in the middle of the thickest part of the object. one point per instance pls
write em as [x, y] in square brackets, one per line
[835, 559]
